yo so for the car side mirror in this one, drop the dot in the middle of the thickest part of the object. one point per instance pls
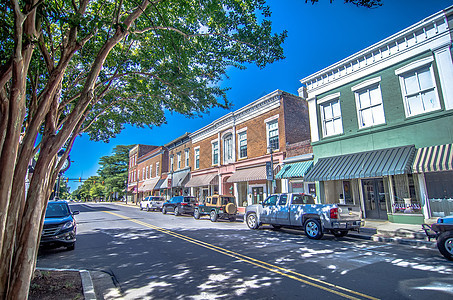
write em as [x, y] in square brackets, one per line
[75, 212]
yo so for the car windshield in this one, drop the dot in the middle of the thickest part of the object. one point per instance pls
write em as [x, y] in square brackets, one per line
[57, 210]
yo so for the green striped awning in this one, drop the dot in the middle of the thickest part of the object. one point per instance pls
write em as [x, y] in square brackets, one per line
[434, 159]
[298, 169]
[376, 163]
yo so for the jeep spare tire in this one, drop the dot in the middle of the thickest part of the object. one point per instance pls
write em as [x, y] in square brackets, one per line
[230, 208]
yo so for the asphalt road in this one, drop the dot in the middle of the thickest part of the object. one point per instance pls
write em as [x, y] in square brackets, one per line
[156, 256]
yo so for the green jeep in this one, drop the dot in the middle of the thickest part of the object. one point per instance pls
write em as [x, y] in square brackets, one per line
[217, 206]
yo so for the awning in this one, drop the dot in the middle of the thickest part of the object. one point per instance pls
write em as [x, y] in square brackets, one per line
[249, 174]
[434, 159]
[377, 163]
[298, 169]
[159, 184]
[202, 180]
[165, 184]
[149, 184]
[178, 179]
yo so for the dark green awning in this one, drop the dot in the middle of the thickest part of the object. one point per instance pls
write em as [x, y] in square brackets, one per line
[377, 163]
[294, 170]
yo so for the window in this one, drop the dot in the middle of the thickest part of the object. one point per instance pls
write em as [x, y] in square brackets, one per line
[272, 135]
[419, 89]
[171, 162]
[186, 152]
[143, 174]
[215, 153]
[179, 160]
[283, 200]
[138, 175]
[197, 158]
[272, 200]
[157, 169]
[331, 117]
[147, 171]
[228, 148]
[370, 110]
[242, 137]
[150, 171]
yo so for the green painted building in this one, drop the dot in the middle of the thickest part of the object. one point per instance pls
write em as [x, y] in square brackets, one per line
[381, 125]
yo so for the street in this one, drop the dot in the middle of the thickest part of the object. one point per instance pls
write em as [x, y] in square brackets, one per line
[156, 256]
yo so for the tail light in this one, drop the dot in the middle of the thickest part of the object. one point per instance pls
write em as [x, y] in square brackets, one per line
[334, 213]
[182, 203]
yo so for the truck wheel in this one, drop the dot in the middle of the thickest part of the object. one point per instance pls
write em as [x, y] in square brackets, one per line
[339, 233]
[313, 229]
[164, 210]
[445, 244]
[252, 221]
[177, 211]
[141, 208]
[147, 208]
[213, 216]
[196, 214]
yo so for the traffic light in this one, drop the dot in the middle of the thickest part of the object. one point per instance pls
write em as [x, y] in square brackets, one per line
[80, 179]
[67, 180]
[102, 182]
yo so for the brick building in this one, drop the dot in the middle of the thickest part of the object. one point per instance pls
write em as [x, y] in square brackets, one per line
[134, 172]
[151, 166]
[230, 154]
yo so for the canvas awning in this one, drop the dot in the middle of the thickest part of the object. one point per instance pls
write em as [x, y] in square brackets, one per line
[249, 174]
[295, 170]
[433, 159]
[165, 184]
[178, 179]
[377, 163]
[159, 184]
[202, 180]
[148, 185]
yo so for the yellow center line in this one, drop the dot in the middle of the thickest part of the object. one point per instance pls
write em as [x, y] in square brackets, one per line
[332, 288]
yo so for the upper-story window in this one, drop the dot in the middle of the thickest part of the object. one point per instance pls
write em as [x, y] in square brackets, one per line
[215, 153]
[157, 169]
[171, 162]
[331, 115]
[179, 160]
[143, 174]
[272, 135]
[242, 137]
[197, 158]
[186, 152]
[418, 87]
[138, 175]
[228, 148]
[147, 172]
[370, 110]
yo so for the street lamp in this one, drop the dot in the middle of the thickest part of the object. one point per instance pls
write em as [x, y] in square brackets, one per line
[270, 175]
[125, 190]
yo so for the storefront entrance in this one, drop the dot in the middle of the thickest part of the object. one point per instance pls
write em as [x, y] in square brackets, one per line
[374, 197]
[257, 195]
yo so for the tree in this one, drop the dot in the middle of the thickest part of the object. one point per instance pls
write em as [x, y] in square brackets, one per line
[113, 171]
[364, 3]
[90, 66]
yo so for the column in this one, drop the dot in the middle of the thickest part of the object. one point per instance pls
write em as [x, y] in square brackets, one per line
[445, 66]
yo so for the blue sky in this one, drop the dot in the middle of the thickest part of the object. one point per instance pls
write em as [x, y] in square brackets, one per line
[318, 36]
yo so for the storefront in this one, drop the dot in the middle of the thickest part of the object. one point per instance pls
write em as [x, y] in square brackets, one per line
[433, 167]
[203, 185]
[292, 175]
[379, 181]
[178, 180]
[147, 187]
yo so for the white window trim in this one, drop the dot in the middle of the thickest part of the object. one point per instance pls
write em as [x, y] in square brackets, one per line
[270, 119]
[157, 169]
[212, 152]
[414, 65]
[178, 160]
[241, 130]
[323, 127]
[267, 135]
[239, 142]
[366, 84]
[195, 158]
[328, 98]
[187, 156]
[228, 134]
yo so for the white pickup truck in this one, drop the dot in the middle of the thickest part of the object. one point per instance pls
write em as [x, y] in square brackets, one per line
[300, 211]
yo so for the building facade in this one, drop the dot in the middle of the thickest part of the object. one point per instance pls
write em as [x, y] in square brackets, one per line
[231, 153]
[153, 166]
[381, 125]
[134, 182]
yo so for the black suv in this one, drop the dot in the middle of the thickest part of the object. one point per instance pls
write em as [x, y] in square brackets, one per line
[60, 227]
[179, 205]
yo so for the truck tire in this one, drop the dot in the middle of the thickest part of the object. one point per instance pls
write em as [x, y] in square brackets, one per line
[196, 214]
[252, 221]
[445, 244]
[164, 210]
[177, 211]
[213, 216]
[147, 208]
[313, 229]
[339, 233]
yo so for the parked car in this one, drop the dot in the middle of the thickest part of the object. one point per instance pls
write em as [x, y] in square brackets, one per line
[180, 205]
[443, 232]
[60, 227]
[152, 203]
[217, 206]
[300, 211]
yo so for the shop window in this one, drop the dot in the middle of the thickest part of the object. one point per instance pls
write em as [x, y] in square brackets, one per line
[242, 137]
[406, 199]
[331, 117]
[439, 187]
[370, 110]
[418, 87]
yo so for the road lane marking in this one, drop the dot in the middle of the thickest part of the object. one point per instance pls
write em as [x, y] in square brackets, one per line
[326, 286]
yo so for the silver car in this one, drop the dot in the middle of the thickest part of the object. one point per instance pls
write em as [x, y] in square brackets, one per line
[152, 203]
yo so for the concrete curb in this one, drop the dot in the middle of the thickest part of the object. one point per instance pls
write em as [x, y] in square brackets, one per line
[87, 283]
[393, 240]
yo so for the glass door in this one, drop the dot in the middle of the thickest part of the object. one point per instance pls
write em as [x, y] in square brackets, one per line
[374, 196]
[257, 195]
